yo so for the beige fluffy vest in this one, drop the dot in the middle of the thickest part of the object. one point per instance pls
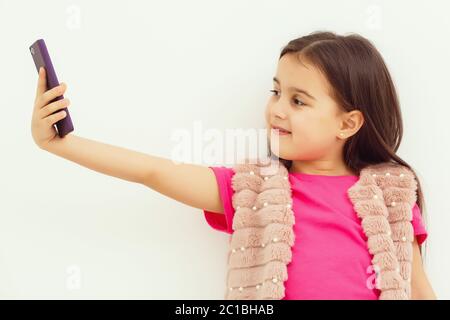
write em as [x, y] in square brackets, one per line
[260, 246]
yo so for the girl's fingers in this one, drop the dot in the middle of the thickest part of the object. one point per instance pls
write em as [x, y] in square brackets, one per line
[42, 83]
[53, 107]
[51, 119]
[51, 94]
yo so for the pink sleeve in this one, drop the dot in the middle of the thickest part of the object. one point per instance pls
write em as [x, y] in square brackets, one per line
[419, 228]
[222, 222]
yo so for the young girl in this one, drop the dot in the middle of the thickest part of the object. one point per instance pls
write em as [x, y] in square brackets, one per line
[334, 111]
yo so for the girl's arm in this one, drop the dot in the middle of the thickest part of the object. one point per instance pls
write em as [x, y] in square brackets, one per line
[194, 185]
[420, 286]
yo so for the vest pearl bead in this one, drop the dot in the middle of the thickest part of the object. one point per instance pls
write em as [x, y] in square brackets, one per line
[288, 206]
[375, 196]
[397, 269]
[374, 175]
[275, 239]
[240, 289]
[263, 245]
[234, 250]
[238, 207]
[285, 178]
[265, 204]
[266, 178]
[389, 233]
[401, 175]
[387, 174]
[242, 248]
[252, 173]
[274, 280]
[393, 203]
[257, 287]
[231, 289]
[404, 239]
[254, 208]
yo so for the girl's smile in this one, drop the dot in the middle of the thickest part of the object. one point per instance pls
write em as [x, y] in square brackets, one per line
[279, 131]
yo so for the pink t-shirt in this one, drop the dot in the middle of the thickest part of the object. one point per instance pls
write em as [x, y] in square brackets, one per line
[330, 259]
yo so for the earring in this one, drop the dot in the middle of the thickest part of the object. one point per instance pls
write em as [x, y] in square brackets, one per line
[341, 134]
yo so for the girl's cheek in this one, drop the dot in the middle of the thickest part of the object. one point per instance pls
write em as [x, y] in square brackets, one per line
[267, 113]
[310, 138]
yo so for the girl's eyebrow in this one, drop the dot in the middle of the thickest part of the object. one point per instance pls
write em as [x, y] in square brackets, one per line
[295, 89]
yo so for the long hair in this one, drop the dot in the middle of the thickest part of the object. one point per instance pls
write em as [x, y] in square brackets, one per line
[360, 81]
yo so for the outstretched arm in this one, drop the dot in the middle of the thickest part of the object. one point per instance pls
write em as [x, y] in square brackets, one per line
[194, 185]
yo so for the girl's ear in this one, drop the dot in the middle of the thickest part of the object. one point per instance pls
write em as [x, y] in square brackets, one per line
[351, 122]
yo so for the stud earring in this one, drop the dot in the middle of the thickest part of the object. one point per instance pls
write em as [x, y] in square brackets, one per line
[341, 134]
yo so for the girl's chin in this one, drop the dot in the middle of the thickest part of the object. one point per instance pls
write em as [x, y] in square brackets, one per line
[279, 136]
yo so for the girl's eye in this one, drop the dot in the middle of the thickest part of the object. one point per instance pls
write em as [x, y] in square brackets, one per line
[301, 102]
[274, 92]
[296, 101]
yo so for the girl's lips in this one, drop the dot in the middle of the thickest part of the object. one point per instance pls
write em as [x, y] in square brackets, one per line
[280, 132]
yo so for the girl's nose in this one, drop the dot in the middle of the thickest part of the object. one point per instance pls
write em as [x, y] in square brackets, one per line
[278, 110]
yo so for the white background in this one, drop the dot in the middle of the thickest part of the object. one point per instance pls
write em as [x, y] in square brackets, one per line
[138, 70]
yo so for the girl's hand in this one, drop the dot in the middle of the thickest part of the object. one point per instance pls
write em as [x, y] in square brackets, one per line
[43, 119]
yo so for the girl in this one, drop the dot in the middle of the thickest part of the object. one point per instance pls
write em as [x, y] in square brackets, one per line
[334, 111]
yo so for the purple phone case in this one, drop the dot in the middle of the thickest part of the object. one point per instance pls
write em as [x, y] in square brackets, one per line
[41, 58]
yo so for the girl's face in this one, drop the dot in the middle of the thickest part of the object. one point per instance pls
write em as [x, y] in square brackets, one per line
[301, 104]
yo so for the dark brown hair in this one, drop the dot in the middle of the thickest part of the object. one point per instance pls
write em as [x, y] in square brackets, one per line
[359, 80]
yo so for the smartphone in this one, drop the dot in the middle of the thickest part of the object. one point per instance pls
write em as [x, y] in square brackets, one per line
[41, 58]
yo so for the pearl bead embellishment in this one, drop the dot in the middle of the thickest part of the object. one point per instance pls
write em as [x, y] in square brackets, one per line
[258, 286]
[387, 174]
